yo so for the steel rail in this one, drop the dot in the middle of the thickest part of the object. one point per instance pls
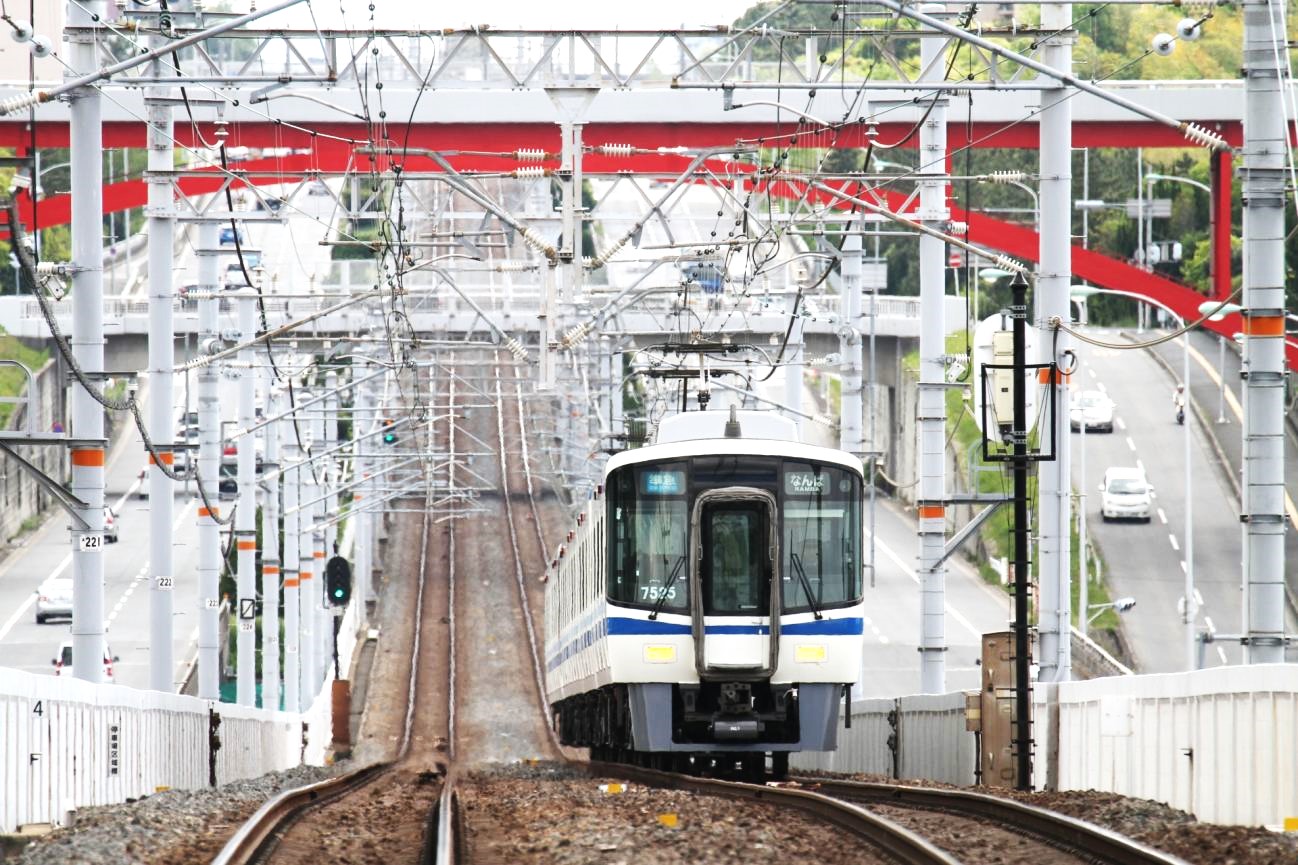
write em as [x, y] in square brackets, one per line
[260, 834]
[894, 840]
[1095, 842]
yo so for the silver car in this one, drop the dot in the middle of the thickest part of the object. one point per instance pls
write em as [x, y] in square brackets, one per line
[54, 600]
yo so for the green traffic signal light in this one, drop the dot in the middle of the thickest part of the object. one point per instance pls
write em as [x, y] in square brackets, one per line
[389, 435]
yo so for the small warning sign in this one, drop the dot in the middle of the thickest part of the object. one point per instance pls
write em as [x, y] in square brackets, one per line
[247, 608]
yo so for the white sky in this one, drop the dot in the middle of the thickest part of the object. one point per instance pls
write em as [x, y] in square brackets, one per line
[531, 14]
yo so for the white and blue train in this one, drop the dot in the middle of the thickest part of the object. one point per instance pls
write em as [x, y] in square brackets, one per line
[708, 603]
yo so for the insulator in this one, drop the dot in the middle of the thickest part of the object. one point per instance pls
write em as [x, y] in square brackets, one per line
[530, 154]
[1007, 177]
[52, 268]
[957, 227]
[603, 258]
[514, 267]
[19, 102]
[534, 240]
[1203, 137]
[515, 348]
[1006, 263]
[615, 149]
[530, 172]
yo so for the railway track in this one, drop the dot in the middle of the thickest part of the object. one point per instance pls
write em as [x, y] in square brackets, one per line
[1084, 841]
[299, 826]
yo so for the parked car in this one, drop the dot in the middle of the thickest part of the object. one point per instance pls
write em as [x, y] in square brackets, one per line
[228, 236]
[54, 600]
[271, 203]
[63, 661]
[1092, 407]
[1125, 494]
[110, 526]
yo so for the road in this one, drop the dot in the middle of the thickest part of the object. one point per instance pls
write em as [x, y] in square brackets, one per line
[1148, 561]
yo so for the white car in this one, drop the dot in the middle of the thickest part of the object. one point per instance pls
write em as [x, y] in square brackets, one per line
[1125, 494]
[63, 661]
[110, 526]
[54, 600]
[1092, 407]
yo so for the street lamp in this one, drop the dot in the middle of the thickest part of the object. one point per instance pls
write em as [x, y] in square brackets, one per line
[1121, 605]
[990, 274]
[1191, 607]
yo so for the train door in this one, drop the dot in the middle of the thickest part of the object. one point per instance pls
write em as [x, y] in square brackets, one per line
[735, 607]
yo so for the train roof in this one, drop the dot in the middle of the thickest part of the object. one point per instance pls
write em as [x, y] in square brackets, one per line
[702, 433]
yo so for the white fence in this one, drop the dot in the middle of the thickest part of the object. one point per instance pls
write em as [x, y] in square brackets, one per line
[1221, 743]
[909, 737]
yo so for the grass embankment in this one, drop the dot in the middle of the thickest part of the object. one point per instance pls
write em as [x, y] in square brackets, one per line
[995, 539]
[12, 380]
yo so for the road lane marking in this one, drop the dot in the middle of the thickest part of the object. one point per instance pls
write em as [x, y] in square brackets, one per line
[1162, 516]
[1099, 385]
[1122, 424]
[1091, 370]
[1238, 410]
[31, 599]
[1184, 568]
[951, 611]
[1175, 545]
[1131, 444]
[1140, 465]
[1198, 598]
[1221, 653]
[1207, 620]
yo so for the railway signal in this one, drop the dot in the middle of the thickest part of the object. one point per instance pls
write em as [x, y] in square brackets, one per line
[338, 580]
[389, 434]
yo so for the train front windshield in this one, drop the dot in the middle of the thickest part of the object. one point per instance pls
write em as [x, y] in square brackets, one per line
[819, 531]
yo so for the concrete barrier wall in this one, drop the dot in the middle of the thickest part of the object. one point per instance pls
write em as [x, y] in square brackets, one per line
[921, 736]
[1220, 743]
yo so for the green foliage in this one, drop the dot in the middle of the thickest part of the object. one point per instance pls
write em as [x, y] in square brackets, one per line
[12, 381]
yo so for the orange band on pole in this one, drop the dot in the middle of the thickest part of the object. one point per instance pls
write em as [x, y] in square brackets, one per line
[167, 457]
[1264, 325]
[88, 457]
[247, 545]
[304, 575]
[290, 583]
[357, 497]
[269, 569]
[204, 512]
[931, 512]
[1043, 376]
[319, 554]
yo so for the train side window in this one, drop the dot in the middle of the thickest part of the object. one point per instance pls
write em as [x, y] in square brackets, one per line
[647, 508]
[821, 537]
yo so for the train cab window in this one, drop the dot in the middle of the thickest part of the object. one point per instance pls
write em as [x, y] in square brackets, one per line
[821, 539]
[647, 525]
[736, 567]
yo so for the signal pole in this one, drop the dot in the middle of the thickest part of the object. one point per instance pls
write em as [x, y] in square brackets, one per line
[292, 578]
[1022, 579]
[270, 559]
[246, 517]
[209, 461]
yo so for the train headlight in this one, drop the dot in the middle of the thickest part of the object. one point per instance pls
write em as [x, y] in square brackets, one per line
[659, 654]
[809, 654]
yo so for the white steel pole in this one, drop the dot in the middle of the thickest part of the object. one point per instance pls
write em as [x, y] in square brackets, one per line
[306, 583]
[931, 501]
[1191, 602]
[361, 420]
[851, 411]
[1083, 570]
[270, 566]
[245, 529]
[86, 140]
[329, 472]
[209, 464]
[793, 357]
[161, 398]
[1264, 195]
[1054, 281]
[292, 618]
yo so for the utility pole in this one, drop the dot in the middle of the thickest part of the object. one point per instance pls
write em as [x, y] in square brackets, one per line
[852, 412]
[931, 500]
[161, 361]
[86, 154]
[1022, 579]
[209, 464]
[1051, 300]
[292, 577]
[793, 357]
[305, 567]
[1266, 132]
[245, 519]
[270, 557]
[362, 417]
[329, 473]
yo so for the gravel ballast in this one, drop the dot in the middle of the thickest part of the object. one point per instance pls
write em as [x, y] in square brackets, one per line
[175, 827]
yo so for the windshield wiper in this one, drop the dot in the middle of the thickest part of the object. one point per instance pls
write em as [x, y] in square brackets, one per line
[671, 581]
[806, 584]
